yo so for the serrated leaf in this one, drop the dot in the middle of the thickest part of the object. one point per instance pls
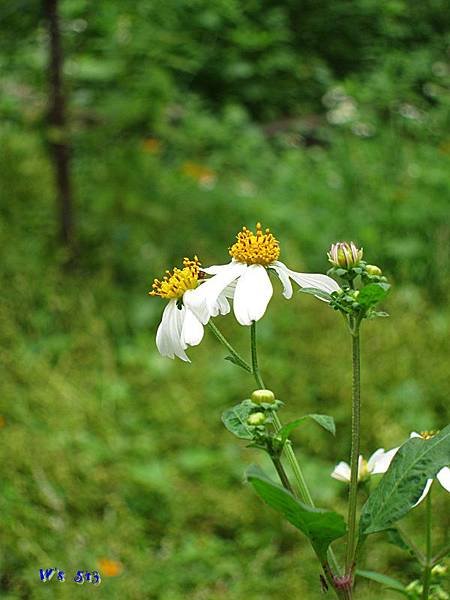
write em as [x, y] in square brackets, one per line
[316, 292]
[324, 421]
[388, 582]
[402, 485]
[372, 294]
[319, 525]
[235, 420]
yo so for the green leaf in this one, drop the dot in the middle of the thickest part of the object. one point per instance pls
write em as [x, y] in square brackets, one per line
[319, 525]
[324, 421]
[235, 420]
[403, 483]
[395, 537]
[388, 582]
[238, 362]
[372, 294]
[316, 292]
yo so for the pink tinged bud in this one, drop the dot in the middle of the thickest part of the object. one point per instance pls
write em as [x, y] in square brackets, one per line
[345, 255]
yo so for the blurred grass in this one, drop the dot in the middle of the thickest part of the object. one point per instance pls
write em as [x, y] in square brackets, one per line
[110, 451]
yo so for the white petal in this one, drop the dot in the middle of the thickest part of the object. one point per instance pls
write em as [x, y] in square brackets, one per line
[425, 492]
[283, 273]
[315, 280]
[203, 301]
[444, 478]
[342, 472]
[414, 434]
[192, 330]
[373, 459]
[252, 295]
[223, 305]
[168, 335]
[383, 461]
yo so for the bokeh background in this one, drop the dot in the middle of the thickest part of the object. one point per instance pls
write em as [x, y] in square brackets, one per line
[185, 120]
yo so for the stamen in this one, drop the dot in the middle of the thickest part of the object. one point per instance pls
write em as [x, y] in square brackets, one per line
[260, 248]
[175, 283]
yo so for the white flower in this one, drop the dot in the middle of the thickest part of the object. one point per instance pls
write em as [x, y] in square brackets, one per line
[246, 278]
[378, 463]
[443, 476]
[180, 327]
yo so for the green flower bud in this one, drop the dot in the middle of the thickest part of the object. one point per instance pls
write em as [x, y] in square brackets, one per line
[345, 255]
[256, 419]
[439, 570]
[260, 396]
[373, 270]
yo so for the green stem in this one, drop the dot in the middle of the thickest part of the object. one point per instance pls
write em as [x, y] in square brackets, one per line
[325, 564]
[354, 458]
[237, 357]
[255, 369]
[428, 564]
[302, 490]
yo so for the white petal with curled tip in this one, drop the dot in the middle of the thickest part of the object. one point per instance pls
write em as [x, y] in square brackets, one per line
[315, 280]
[382, 461]
[444, 478]
[283, 273]
[203, 300]
[342, 472]
[168, 335]
[252, 295]
[192, 329]
[425, 492]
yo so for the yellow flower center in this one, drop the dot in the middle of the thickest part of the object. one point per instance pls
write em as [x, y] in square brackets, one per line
[427, 435]
[259, 248]
[175, 283]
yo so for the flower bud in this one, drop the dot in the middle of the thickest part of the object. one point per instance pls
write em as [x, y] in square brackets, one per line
[373, 270]
[256, 419]
[345, 255]
[439, 570]
[260, 396]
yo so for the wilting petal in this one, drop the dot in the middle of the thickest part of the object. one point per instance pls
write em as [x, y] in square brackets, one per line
[203, 300]
[425, 491]
[382, 461]
[315, 280]
[252, 295]
[444, 478]
[168, 335]
[283, 273]
[192, 330]
[342, 472]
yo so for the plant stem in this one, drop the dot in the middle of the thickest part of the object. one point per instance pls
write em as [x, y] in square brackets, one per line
[302, 490]
[222, 339]
[354, 459]
[428, 564]
[325, 564]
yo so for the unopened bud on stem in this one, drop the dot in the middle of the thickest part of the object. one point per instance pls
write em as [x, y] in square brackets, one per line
[256, 419]
[260, 396]
[345, 255]
[373, 270]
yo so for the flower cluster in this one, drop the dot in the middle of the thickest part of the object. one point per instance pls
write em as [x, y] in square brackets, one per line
[196, 293]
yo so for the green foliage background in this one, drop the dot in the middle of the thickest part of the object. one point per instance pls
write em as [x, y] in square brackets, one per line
[188, 119]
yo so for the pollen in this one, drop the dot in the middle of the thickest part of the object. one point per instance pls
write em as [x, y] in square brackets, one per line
[176, 282]
[427, 435]
[260, 248]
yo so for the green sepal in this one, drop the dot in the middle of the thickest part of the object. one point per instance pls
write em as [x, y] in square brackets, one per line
[319, 525]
